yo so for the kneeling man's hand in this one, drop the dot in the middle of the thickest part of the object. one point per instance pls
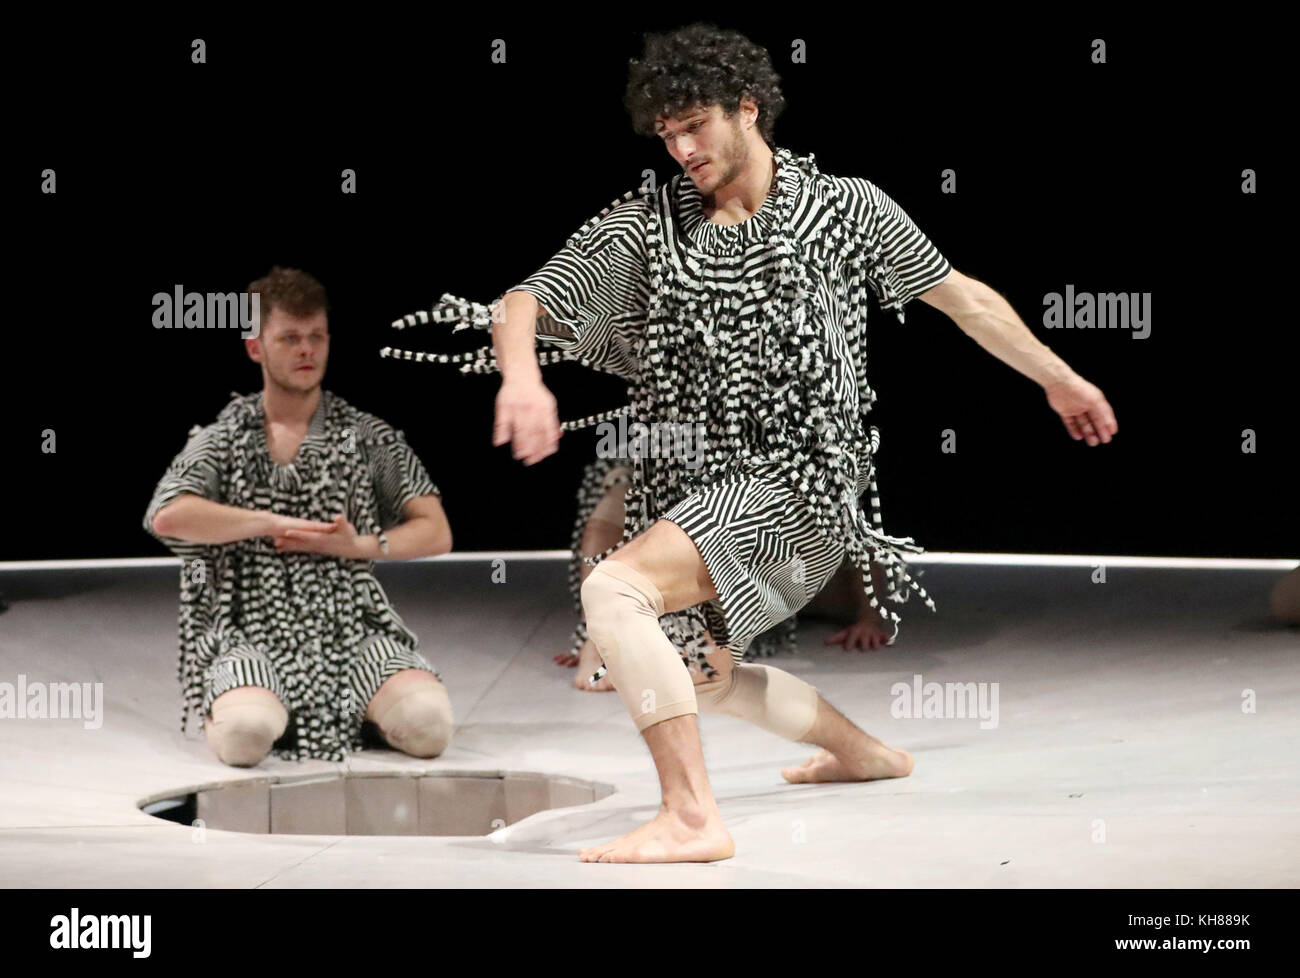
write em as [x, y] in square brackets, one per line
[340, 541]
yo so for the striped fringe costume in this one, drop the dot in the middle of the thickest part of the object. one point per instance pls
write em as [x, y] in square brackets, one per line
[318, 631]
[757, 333]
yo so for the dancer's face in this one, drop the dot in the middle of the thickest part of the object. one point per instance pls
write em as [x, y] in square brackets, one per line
[292, 351]
[706, 144]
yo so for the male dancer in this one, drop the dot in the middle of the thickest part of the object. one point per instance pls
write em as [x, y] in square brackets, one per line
[733, 296]
[278, 511]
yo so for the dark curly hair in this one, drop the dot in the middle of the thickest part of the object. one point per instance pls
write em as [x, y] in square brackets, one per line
[699, 66]
[291, 290]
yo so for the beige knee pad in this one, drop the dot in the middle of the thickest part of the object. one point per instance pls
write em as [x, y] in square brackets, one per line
[244, 725]
[419, 721]
[622, 607]
[769, 698]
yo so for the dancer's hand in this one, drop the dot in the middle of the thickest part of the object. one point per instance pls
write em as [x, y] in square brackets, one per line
[526, 416]
[340, 540]
[1083, 409]
[862, 634]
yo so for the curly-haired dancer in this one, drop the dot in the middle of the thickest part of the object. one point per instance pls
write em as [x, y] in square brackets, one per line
[735, 299]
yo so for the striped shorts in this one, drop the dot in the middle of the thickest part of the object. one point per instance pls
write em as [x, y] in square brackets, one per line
[378, 658]
[763, 552]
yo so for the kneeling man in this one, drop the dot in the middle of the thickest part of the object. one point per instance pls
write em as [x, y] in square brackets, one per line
[278, 511]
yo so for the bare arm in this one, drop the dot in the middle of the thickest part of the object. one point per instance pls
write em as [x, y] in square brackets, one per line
[192, 518]
[988, 319]
[424, 532]
[526, 413]
[514, 337]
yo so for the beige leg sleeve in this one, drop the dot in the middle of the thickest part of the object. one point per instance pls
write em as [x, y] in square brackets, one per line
[417, 720]
[769, 698]
[622, 607]
[245, 722]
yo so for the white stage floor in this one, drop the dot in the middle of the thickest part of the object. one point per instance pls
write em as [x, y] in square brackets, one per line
[1122, 756]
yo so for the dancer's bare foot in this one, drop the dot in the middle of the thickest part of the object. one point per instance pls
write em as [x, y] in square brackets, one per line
[684, 835]
[873, 762]
[589, 661]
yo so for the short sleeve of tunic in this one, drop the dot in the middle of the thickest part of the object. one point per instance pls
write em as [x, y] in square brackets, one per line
[197, 469]
[399, 475]
[907, 263]
[596, 289]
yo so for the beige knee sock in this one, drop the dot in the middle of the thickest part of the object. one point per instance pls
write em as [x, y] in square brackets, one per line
[769, 698]
[419, 721]
[243, 725]
[622, 607]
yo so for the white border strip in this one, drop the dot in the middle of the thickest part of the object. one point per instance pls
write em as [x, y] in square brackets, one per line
[931, 557]
[1114, 560]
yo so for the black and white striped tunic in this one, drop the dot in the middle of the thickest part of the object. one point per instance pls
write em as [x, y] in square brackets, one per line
[316, 630]
[757, 333]
[756, 330]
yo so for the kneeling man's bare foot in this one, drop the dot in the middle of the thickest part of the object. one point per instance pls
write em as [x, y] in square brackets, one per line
[872, 761]
[691, 835]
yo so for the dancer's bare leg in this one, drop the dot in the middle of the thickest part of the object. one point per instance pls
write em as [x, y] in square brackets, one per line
[849, 753]
[1284, 599]
[689, 826]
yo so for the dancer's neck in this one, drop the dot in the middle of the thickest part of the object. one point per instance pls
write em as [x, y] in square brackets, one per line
[743, 197]
[291, 408]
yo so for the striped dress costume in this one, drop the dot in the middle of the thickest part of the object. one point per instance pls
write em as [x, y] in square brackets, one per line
[757, 333]
[316, 630]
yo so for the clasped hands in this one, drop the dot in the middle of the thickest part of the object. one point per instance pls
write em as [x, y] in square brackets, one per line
[338, 538]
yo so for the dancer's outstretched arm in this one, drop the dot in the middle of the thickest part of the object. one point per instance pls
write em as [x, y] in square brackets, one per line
[988, 319]
[526, 413]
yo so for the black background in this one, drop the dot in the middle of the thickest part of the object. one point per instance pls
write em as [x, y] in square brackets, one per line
[1117, 177]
